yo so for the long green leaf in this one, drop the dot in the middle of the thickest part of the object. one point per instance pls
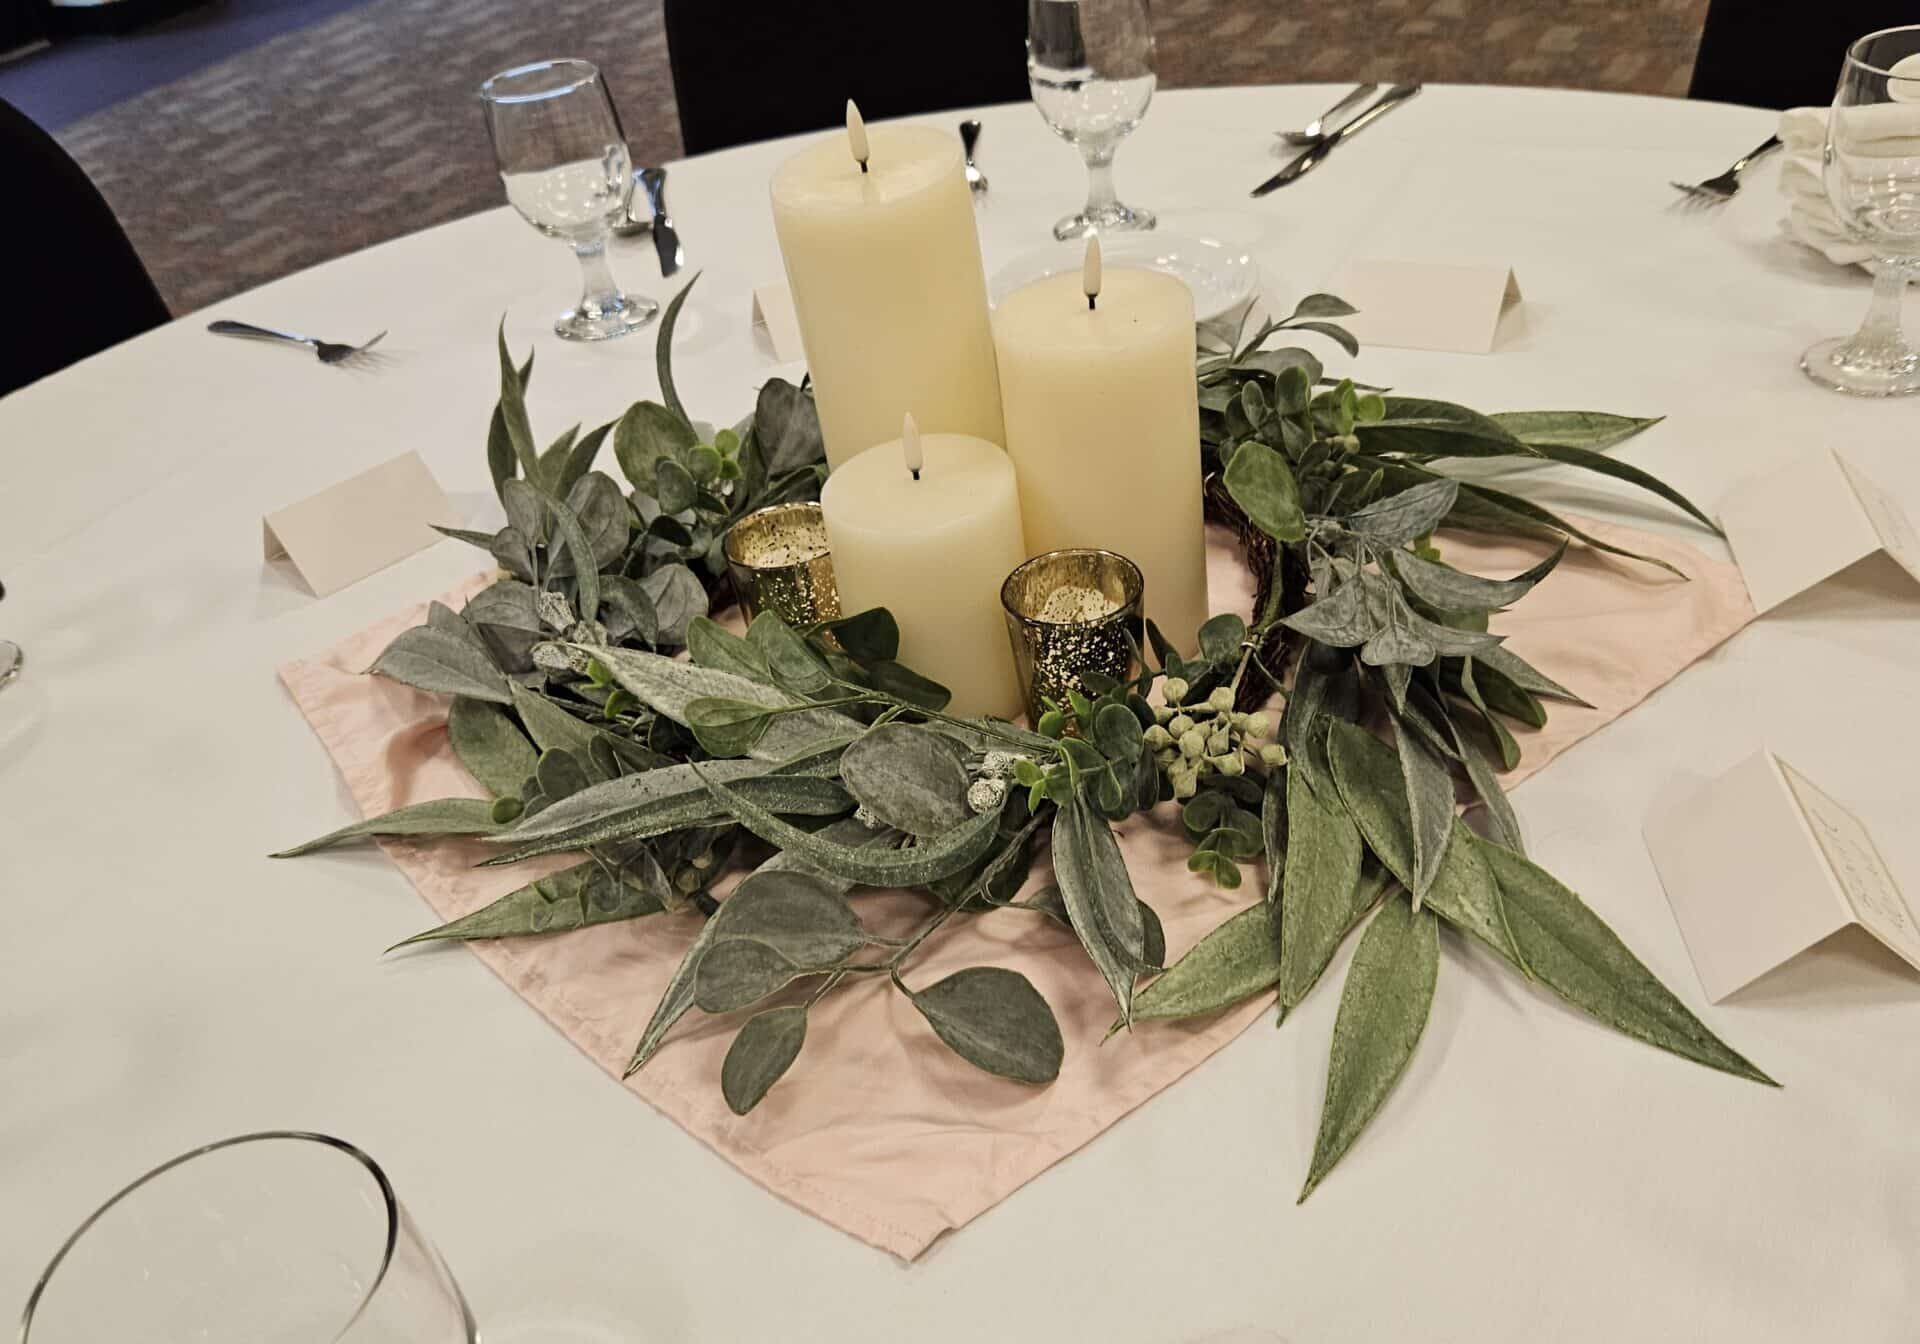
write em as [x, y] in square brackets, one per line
[864, 864]
[1238, 959]
[1321, 886]
[668, 686]
[793, 795]
[1099, 897]
[513, 411]
[1429, 793]
[495, 753]
[443, 816]
[1572, 951]
[1572, 429]
[1383, 1011]
[574, 898]
[663, 348]
[433, 660]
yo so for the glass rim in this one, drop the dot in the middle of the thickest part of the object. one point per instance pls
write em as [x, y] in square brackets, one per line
[493, 88]
[769, 513]
[372, 1168]
[1133, 582]
[1855, 47]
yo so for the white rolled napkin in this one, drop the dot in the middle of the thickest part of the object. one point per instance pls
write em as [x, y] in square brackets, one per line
[1810, 218]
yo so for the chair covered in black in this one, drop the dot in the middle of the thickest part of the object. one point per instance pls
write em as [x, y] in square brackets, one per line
[72, 285]
[754, 72]
[1785, 53]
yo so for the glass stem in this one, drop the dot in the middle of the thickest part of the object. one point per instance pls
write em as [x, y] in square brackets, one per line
[1880, 335]
[1100, 198]
[601, 293]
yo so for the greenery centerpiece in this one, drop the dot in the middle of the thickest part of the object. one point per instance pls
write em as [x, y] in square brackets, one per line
[811, 760]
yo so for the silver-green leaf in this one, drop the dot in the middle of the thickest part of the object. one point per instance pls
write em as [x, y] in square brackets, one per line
[1099, 898]
[995, 1020]
[761, 1053]
[668, 686]
[494, 752]
[1320, 888]
[910, 778]
[433, 660]
[1235, 961]
[574, 898]
[443, 816]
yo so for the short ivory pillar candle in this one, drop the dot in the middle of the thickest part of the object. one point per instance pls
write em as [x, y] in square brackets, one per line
[884, 263]
[1103, 425]
[933, 550]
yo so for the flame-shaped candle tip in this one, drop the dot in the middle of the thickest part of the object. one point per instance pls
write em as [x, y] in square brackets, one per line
[857, 135]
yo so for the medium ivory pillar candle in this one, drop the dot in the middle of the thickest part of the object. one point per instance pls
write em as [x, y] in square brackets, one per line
[933, 550]
[1103, 425]
[884, 263]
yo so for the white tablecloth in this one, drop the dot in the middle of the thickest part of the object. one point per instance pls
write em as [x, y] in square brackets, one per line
[1534, 1176]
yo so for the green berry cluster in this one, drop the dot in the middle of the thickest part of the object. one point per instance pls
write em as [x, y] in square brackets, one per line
[1191, 741]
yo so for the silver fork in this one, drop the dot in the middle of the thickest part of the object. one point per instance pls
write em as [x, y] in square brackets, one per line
[1722, 188]
[969, 137]
[330, 352]
[1316, 130]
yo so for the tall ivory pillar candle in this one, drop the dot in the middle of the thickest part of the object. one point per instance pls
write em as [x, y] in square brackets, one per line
[934, 552]
[888, 286]
[1103, 426]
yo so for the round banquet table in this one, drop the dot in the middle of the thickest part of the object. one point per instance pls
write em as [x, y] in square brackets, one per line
[1533, 1177]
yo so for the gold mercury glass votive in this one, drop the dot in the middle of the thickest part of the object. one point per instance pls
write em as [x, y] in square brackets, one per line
[1070, 613]
[779, 561]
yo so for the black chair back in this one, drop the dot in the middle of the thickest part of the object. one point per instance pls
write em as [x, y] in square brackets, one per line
[73, 285]
[1785, 53]
[761, 71]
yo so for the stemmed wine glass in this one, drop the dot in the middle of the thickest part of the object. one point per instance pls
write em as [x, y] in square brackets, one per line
[1090, 66]
[1873, 178]
[289, 1237]
[567, 170]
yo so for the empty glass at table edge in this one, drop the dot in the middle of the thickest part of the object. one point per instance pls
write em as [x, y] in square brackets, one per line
[1090, 68]
[1872, 171]
[564, 161]
[271, 1238]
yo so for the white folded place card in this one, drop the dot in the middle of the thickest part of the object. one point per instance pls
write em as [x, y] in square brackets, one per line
[360, 526]
[1804, 523]
[1425, 305]
[773, 311]
[1759, 865]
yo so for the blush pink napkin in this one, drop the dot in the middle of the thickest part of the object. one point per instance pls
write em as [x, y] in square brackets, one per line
[940, 1142]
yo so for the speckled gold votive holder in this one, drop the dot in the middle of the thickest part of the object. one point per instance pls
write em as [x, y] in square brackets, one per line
[1070, 613]
[779, 561]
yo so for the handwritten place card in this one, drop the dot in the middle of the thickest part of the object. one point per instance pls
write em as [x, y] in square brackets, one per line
[1759, 865]
[360, 526]
[1423, 305]
[773, 313]
[1798, 526]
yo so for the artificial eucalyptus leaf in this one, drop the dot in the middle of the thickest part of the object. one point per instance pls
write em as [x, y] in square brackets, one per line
[788, 427]
[1467, 897]
[526, 508]
[626, 609]
[908, 777]
[995, 1020]
[1399, 518]
[1425, 428]
[561, 774]
[724, 727]
[513, 411]
[674, 485]
[1221, 638]
[761, 1053]
[1443, 586]
[1503, 739]
[790, 662]
[870, 636]
[1500, 814]
[1332, 331]
[443, 816]
[1238, 959]
[1263, 485]
[647, 434]
[1383, 1011]
[1099, 897]
[1321, 885]
[1429, 792]
[668, 686]
[1600, 464]
[739, 971]
[493, 750]
[711, 644]
[800, 916]
[1570, 949]
[914, 867]
[580, 460]
[1593, 430]
[1116, 732]
[605, 517]
[1342, 619]
[848, 831]
[514, 552]
[573, 541]
[1482, 508]
[574, 898]
[663, 347]
[432, 660]
[581, 825]
[674, 1001]
[1524, 675]
[1499, 694]
[1319, 306]
[903, 683]
[677, 597]
[550, 726]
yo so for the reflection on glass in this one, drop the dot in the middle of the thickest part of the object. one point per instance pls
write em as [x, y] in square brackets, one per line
[1090, 66]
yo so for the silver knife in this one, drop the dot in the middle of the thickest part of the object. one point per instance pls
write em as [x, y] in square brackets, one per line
[1311, 158]
[666, 242]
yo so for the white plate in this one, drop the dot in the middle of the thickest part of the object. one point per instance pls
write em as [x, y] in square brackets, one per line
[1221, 276]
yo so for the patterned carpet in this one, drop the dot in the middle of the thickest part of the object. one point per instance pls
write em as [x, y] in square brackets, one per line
[364, 127]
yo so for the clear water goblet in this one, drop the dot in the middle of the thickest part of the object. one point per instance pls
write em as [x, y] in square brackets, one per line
[1872, 170]
[1090, 66]
[566, 167]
